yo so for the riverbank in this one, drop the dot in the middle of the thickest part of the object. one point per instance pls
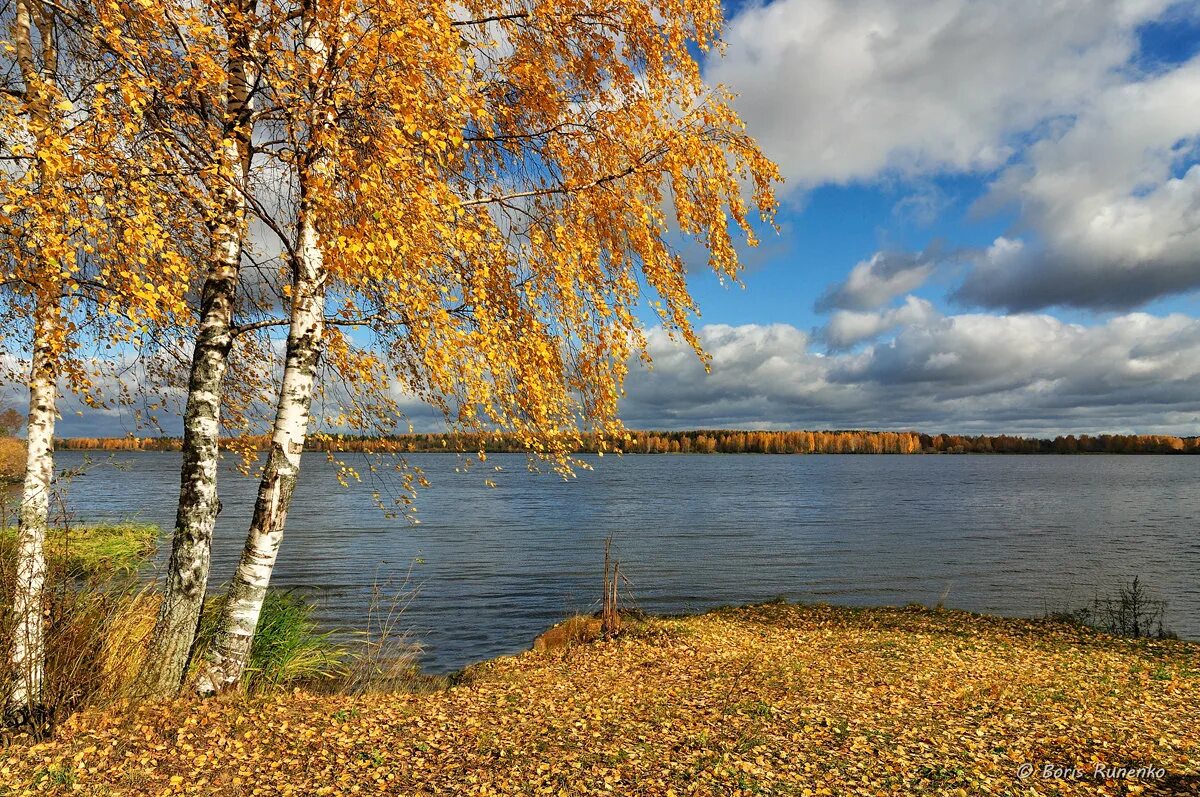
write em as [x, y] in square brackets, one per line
[700, 441]
[774, 699]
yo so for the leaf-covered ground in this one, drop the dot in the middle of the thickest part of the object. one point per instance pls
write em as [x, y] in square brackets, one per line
[774, 699]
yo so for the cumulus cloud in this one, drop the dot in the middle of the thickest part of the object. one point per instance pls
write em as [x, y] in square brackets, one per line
[1112, 205]
[846, 328]
[1024, 373]
[843, 90]
[1097, 156]
[874, 282]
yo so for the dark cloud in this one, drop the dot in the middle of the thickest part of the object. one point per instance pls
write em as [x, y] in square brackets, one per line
[1024, 373]
[1030, 374]
[1043, 278]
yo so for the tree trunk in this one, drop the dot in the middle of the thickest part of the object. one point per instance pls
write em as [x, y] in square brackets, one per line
[28, 657]
[187, 572]
[225, 660]
[28, 644]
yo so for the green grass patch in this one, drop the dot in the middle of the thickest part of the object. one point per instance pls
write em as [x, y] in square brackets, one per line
[287, 647]
[96, 549]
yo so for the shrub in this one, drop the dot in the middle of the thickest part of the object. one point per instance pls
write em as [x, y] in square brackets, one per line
[1130, 612]
[12, 459]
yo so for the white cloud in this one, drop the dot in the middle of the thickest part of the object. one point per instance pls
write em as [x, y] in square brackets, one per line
[1112, 204]
[842, 90]
[986, 373]
[1098, 156]
[874, 282]
[847, 328]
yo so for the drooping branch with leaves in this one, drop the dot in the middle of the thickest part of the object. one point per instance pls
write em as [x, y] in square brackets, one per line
[87, 261]
[465, 204]
[496, 193]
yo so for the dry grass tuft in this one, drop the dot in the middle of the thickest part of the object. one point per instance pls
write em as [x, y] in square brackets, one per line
[576, 630]
[126, 635]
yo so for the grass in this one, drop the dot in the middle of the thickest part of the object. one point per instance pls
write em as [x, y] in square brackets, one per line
[93, 550]
[100, 615]
[776, 699]
[103, 548]
[287, 648]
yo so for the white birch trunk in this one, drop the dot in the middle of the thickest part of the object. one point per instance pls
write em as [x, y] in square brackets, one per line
[229, 651]
[196, 515]
[187, 572]
[28, 644]
[23, 704]
[226, 658]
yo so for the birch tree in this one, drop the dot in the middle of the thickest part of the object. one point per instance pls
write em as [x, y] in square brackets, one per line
[508, 178]
[347, 62]
[315, 69]
[85, 254]
[225, 163]
[42, 105]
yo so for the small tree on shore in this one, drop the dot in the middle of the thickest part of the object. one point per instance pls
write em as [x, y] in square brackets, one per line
[86, 255]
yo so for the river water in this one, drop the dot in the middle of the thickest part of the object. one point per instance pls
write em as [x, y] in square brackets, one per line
[489, 568]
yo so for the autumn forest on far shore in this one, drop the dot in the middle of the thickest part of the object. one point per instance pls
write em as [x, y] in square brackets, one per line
[702, 441]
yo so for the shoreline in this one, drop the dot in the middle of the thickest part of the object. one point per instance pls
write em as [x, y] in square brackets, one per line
[1053, 622]
[702, 441]
[770, 698]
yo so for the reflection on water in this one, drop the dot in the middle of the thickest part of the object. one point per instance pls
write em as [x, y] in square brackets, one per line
[1015, 535]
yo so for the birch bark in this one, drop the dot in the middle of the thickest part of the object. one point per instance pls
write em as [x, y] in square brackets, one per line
[226, 658]
[28, 644]
[28, 652]
[230, 650]
[187, 572]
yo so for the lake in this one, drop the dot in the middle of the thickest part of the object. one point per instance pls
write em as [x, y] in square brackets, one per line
[492, 567]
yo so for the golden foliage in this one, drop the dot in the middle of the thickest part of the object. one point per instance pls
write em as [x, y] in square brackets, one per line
[501, 190]
[508, 186]
[94, 251]
[12, 459]
[773, 699]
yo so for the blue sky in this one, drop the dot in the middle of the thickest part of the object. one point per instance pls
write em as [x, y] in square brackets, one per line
[829, 228]
[990, 222]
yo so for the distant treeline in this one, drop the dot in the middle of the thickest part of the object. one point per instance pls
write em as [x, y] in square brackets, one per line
[709, 442]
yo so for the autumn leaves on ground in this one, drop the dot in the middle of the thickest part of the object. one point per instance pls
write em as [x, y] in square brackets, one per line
[774, 699]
